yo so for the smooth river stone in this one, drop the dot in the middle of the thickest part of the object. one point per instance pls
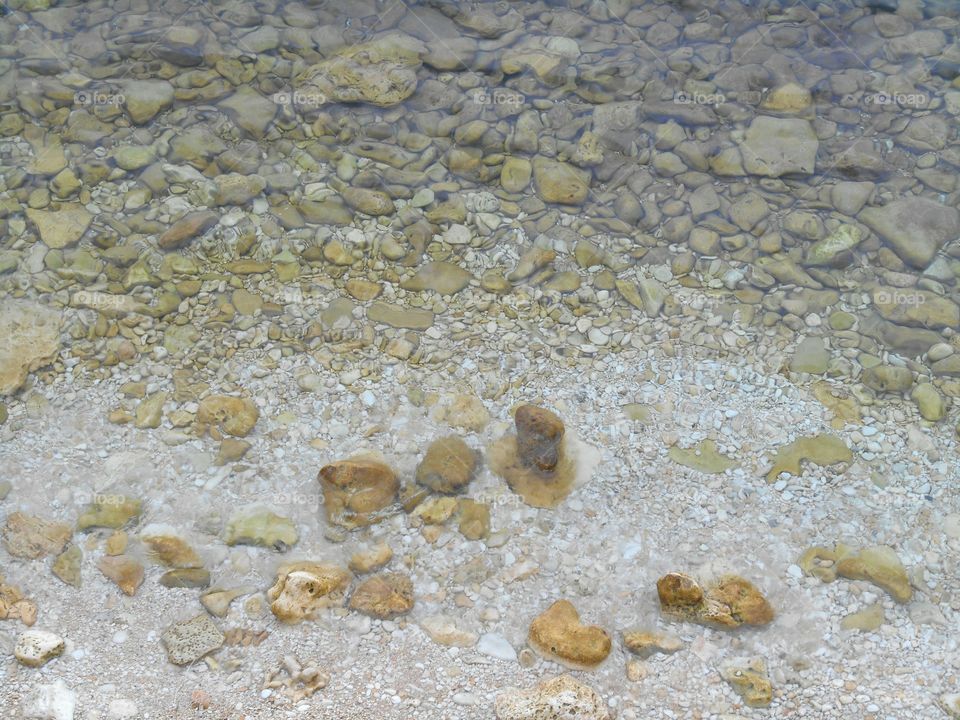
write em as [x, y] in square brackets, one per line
[442, 277]
[61, 228]
[400, 317]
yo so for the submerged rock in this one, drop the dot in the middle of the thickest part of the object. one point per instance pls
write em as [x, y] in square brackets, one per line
[37, 647]
[372, 559]
[381, 72]
[703, 457]
[31, 339]
[750, 681]
[557, 698]
[728, 602]
[557, 634]
[168, 548]
[448, 465]
[880, 565]
[823, 449]
[125, 571]
[539, 435]
[232, 415]
[31, 537]
[109, 511]
[190, 640]
[866, 620]
[304, 588]
[646, 643]
[384, 596]
[355, 492]
[255, 525]
[67, 565]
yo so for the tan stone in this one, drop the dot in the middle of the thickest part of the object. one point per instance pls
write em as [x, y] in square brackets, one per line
[649, 642]
[126, 572]
[881, 566]
[356, 491]
[187, 228]
[474, 520]
[169, 549]
[383, 596]
[536, 488]
[31, 537]
[31, 339]
[448, 465]
[728, 602]
[750, 681]
[372, 559]
[62, 227]
[232, 415]
[552, 699]
[304, 588]
[557, 634]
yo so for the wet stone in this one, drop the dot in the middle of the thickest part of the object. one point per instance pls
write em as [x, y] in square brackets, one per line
[539, 434]
[355, 492]
[189, 640]
[552, 699]
[557, 634]
[448, 465]
[728, 602]
[303, 589]
[186, 578]
[383, 596]
[125, 571]
[750, 681]
[32, 537]
[109, 511]
[67, 565]
[824, 449]
[255, 525]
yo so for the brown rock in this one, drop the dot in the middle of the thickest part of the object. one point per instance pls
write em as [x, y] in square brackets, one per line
[537, 488]
[304, 588]
[448, 466]
[557, 634]
[751, 682]
[126, 572]
[232, 415]
[679, 590]
[384, 596]
[354, 491]
[729, 602]
[556, 698]
[539, 433]
[172, 551]
[32, 537]
[187, 228]
[13, 605]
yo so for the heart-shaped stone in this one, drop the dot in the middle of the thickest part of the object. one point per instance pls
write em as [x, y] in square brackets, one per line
[557, 634]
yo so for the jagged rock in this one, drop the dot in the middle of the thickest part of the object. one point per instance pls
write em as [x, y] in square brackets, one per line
[126, 572]
[217, 600]
[557, 634]
[750, 681]
[559, 698]
[32, 537]
[304, 588]
[380, 72]
[31, 334]
[474, 520]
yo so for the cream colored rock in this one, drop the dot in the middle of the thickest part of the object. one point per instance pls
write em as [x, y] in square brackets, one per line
[31, 339]
[37, 647]
[304, 588]
[559, 698]
[443, 629]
